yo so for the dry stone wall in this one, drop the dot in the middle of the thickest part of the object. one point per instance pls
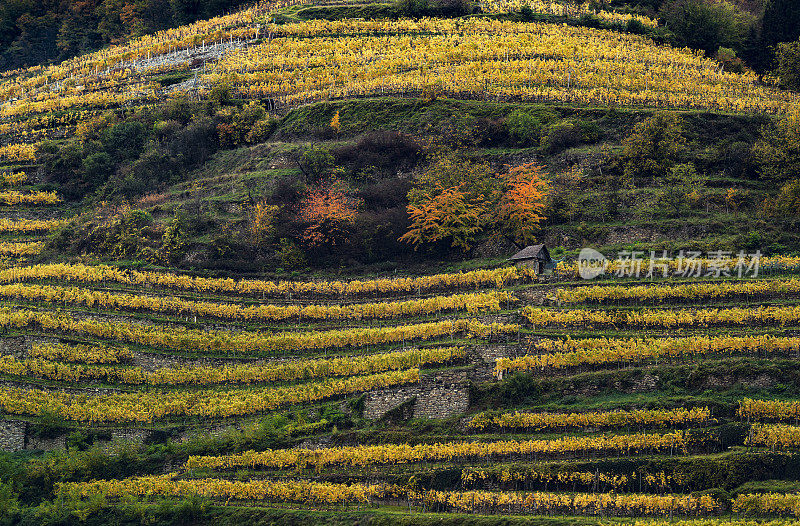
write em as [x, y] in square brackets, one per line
[439, 395]
[12, 435]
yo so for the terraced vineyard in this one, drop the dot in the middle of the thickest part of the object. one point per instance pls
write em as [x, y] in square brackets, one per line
[211, 311]
[658, 425]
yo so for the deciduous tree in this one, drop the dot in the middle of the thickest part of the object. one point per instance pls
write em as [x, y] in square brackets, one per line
[522, 205]
[449, 214]
[329, 210]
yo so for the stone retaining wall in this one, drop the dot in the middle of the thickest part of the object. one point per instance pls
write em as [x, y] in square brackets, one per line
[439, 395]
[12, 435]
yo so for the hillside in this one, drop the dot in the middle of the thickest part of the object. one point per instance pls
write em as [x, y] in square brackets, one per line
[255, 271]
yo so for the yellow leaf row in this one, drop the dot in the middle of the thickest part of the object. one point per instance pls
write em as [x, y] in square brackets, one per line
[30, 225]
[297, 491]
[786, 504]
[470, 476]
[13, 178]
[498, 278]
[575, 503]
[471, 303]
[774, 410]
[405, 453]
[617, 418]
[79, 353]
[224, 342]
[18, 152]
[20, 249]
[667, 318]
[598, 351]
[566, 10]
[232, 373]
[14, 197]
[148, 406]
[606, 293]
[774, 436]
[525, 473]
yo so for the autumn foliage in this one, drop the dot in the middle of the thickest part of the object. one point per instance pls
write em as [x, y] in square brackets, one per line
[514, 202]
[448, 215]
[329, 210]
[523, 203]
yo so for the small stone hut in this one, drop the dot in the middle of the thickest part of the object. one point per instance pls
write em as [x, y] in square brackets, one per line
[534, 256]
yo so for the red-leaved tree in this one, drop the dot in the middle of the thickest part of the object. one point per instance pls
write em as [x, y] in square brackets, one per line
[329, 210]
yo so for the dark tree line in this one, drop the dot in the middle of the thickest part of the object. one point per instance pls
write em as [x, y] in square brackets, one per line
[41, 31]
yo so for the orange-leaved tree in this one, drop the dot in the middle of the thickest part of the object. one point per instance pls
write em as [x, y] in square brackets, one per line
[522, 205]
[448, 213]
[329, 210]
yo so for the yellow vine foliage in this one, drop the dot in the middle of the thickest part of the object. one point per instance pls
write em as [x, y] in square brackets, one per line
[774, 436]
[18, 152]
[560, 354]
[470, 303]
[770, 504]
[225, 342]
[405, 453]
[741, 316]
[494, 278]
[297, 491]
[617, 418]
[576, 503]
[14, 197]
[610, 293]
[566, 10]
[231, 373]
[20, 249]
[148, 406]
[30, 225]
[91, 354]
[770, 410]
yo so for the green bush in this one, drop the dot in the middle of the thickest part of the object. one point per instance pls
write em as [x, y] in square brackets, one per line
[560, 136]
[524, 128]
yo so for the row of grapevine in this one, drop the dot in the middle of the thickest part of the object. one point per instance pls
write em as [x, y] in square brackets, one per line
[573, 504]
[767, 504]
[11, 248]
[608, 419]
[688, 266]
[17, 153]
[498, 278]
[558, 354]
[245, 342]
[566, 10]
[686, 291]
[525, 474]
[297, 491]
[90, 354]
[774, 436]
[232, 373]
[405, 453]
[15, 197]
[770, 410]
[13, 178]
[668, 318]
[30, 225]
[470, 303]
[149, 406]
